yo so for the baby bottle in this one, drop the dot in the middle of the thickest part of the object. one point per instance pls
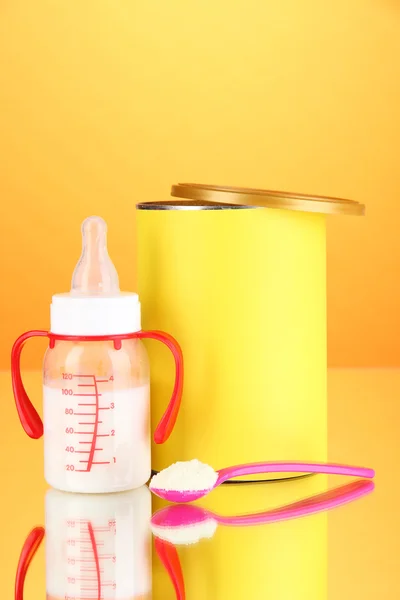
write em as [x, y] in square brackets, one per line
[96, 390]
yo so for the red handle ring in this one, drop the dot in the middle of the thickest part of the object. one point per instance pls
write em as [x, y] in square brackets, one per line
[30, 420]
[29, 549]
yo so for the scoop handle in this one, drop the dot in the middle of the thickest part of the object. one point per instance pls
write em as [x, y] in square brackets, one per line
[27, 413]
[293, 467]
[28, 551]
[168, 420]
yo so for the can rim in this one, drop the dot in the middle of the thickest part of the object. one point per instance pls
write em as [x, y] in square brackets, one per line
[198, 192]
[190, 205]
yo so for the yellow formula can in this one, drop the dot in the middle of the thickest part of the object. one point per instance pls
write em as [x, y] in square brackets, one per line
[238, 276]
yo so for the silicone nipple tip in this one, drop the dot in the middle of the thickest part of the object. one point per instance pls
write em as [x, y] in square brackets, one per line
[95, 274]
[93, 225]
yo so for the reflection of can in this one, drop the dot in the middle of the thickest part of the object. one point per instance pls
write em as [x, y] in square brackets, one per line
[243, 289]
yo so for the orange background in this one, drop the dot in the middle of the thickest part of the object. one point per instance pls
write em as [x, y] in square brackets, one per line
[104, 103]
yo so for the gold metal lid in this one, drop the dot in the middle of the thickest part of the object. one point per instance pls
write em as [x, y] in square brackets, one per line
[197, 192]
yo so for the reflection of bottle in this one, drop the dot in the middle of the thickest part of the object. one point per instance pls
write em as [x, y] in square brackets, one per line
[97, 547]
[280, 561]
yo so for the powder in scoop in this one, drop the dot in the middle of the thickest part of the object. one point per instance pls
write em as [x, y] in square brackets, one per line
[191, 475]
[187, 534]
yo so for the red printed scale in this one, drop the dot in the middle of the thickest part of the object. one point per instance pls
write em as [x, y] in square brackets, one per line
[86, 413]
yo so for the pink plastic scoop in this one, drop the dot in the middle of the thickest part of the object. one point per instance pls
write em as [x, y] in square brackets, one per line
[266, 467]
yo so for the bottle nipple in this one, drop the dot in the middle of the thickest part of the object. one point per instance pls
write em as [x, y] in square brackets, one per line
[94, 274]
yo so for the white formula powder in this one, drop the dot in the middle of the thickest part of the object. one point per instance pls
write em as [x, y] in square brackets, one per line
[191, 475]
[186, 534]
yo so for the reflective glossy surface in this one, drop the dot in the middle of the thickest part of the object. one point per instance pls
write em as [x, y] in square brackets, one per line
[238, 542]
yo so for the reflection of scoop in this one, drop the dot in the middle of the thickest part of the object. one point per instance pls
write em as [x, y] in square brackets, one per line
[184, 524]
[180, 524]
[190, 493]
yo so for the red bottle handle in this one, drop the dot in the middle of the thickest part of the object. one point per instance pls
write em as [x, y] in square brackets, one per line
[169, 557]
[168, 420]
[28, 551]
[28, 415]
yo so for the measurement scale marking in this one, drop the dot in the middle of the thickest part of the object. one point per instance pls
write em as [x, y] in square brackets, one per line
[96, 557]
[84, 560]
[96, 425]
[96, 463]
[82, 521]
[78, 375]
[98, 544]
[89, 589]
[94, 433]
